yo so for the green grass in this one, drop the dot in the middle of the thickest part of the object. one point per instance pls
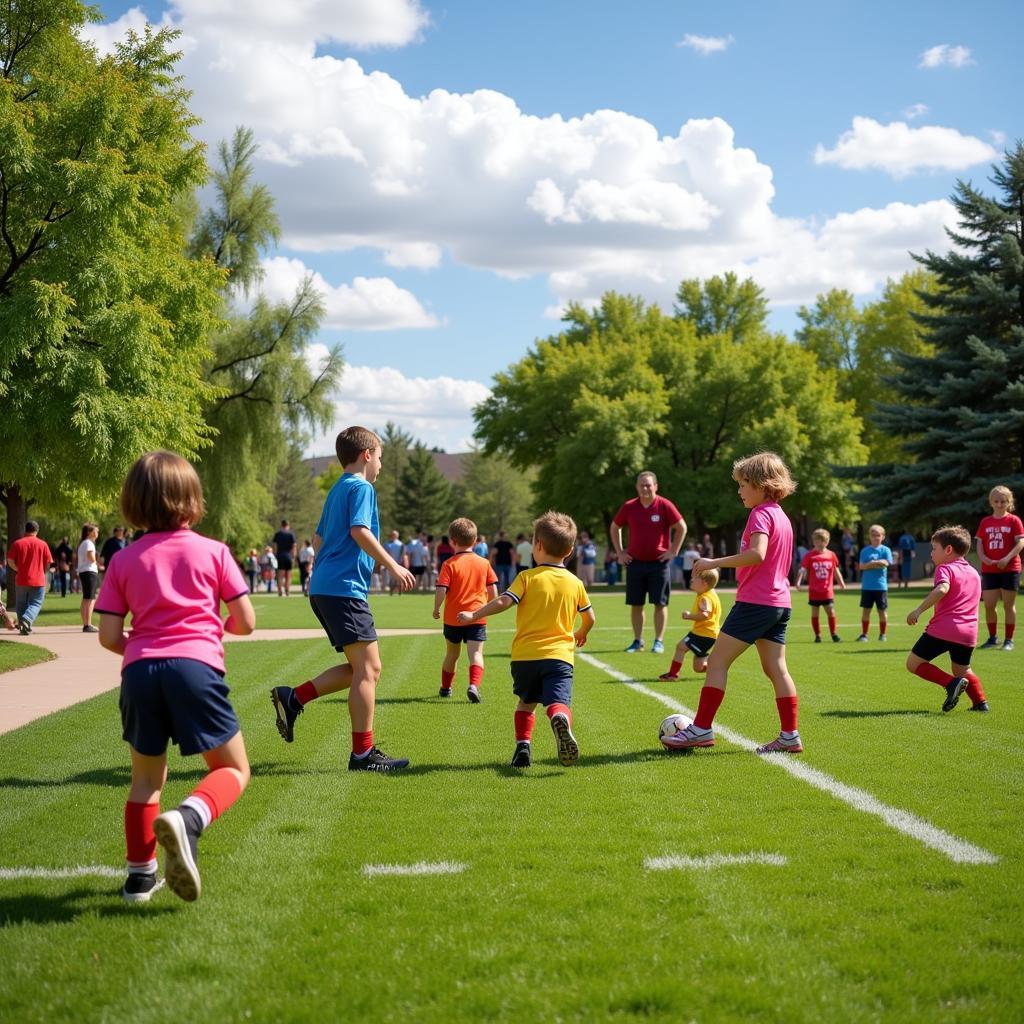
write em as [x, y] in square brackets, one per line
[14, 655]
[555, 917]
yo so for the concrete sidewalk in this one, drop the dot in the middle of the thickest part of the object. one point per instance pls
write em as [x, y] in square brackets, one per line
[82, 669]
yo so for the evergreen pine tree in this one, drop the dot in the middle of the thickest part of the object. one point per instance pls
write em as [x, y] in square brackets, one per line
[424, 500]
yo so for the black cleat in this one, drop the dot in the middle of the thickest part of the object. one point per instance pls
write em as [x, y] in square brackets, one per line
[178, 833]
[522, 758]
[836, 638]
[287, 708]
[817, 639]
[445, 691]
[139, 888]
[989, 644]
[953, 690]
[376, 761]
[981, 706]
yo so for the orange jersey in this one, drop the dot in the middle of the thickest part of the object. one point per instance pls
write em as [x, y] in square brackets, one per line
[466, 577]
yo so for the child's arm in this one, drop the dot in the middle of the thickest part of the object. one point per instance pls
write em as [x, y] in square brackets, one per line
[981, 552]
[499, 604]
[800, 576]
[112, 635]
[936, 595]
[364, 537]
[440, 593]
[492, 591]
[754, 555]
[241, 620]
[586, 625]
[837, 578]
[1011, 554]
[703, 611]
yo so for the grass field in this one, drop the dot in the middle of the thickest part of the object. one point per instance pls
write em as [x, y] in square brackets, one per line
[554, 915]
[16, 655]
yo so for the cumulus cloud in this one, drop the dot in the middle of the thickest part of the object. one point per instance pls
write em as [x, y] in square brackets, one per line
[705, 45]
[915, 110]
[901, 150]
[945, 55]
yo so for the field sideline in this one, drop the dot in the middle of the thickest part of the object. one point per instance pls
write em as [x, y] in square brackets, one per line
[640, 885]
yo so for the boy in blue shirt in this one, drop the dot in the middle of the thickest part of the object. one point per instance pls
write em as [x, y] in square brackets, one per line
[347, 549]
[875, 560]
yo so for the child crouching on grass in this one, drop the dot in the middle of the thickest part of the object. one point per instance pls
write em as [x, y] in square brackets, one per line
[547, 598]
[953, 628]
[705, 615]
[172, 582]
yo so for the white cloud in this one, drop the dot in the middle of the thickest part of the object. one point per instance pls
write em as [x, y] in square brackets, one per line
[901, 150]
[105, 36]
[998, 137]
[421, 255]
[946, 55]
[915, 110]
[705, 45]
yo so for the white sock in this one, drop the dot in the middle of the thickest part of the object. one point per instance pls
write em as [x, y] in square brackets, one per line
[789, 735]
[200, 806]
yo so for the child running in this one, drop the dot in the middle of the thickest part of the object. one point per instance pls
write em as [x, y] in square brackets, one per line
[547, 599]
[953, 628]
[762, 609]
[464, 583]
[820, 567]
[348, 547]
[875, 559]
[706, 614]
[172, 582]
[1000, 539]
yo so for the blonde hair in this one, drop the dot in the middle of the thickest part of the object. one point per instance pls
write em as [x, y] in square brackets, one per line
[821, 534]
[162, 492]
[767, 472]
[878, 527]
[709, 576]
[556, 533]
[352, 442]
[955, 537]
[1003, 491]
[462, 531]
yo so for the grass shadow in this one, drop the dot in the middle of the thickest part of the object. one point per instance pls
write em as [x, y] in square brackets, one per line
[43, 908]
[891, 713]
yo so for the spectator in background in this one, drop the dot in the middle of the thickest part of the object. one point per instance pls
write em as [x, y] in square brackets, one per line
[29, 557]
[481, 547]
[524, 553]
[444, 552]
[503, 558]
[906, 548]
[284, 549]
[416, 555]
[586, 559]
[690, 555]
[306, 557]
[849, 546]
[88, 574]
[723, 551]
[252, 568]
[111, 546]
[62, 555]
[611, 567]
[268, 567]
[396, 549]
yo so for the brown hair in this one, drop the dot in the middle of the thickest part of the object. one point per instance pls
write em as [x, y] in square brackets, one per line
[556, 533]
[161, 492]
[462, 531]
[87, 528]
[352, 442]
[821, 534]
[955, 537]
[709, 576]
[1005, 492]
[767, 472]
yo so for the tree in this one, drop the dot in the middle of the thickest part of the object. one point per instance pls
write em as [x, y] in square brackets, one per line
[830, 333]
[296, 496]
[496, 495]
[104, 319]
[395, 445]
[962, 408]
[723, 304]
[425, 499]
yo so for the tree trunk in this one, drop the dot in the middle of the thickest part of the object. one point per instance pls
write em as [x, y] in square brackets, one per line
[17, 514]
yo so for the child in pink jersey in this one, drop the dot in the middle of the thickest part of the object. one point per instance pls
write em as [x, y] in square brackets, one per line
[954, 625]
[172, 582]
[762, 609]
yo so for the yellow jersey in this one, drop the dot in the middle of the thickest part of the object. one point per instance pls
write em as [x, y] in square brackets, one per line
[548, 598]
[710, 626]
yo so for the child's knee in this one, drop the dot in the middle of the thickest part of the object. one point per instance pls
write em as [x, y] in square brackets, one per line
[912, 662]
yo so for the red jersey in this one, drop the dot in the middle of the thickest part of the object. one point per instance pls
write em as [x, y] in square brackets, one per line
[649, 528]
[820, 567]
[32, 557]
[466, 577]
[998, 534]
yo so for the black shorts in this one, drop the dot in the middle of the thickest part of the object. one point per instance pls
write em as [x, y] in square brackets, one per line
[930, 647]
[346, 620]
[648, 581]
[874, 599]
[821, 602]
[546, 681]
[751, 622]
[303, 571]
[177, 699]
[90, 584]
[699, 645]
[417, 570]
[464, 634]
[284, 563]
[1000, 581]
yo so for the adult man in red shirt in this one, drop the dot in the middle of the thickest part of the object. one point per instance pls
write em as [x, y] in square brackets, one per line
[656, 532]
[30, 558]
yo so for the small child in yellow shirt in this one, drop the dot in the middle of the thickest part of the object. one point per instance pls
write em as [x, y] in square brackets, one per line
[706, 615]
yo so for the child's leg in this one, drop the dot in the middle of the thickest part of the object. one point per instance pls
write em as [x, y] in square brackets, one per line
[773, 663]
[883, 621]
[865, 617]
[726, 650]
[475, 651]
[1009, 612]
[364, 657]
[140, 811]
[678, 657]
[450, 663]
[975, 690]
[830, 612]
[954, 685]
[816, 621]
[223, 785]
[991, 599]
[524, 721]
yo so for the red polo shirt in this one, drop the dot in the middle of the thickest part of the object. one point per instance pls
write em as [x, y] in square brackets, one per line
[32, 557]
[649, 528]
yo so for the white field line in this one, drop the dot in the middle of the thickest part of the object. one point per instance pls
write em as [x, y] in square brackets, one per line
[90, 871]
[440, 867]
[957, 850]
[713, 860]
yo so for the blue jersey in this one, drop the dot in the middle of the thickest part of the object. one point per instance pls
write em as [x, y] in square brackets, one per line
[875, 579]
[342, 568]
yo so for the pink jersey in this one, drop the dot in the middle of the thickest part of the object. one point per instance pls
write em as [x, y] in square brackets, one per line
[767, 583]
[172, 582]
[998, 535]
[820, 567]
[956, 615]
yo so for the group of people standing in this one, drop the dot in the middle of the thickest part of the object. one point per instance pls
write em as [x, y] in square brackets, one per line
[275, 566]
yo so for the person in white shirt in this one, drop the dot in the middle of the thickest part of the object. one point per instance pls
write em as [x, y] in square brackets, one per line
[88, 574]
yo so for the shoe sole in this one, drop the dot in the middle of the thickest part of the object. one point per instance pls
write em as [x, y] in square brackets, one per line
[568, 748]
[668, 679]
[768, 749]
[710, 742]
[952, 701]
[282, 717]
[444, 693]
[142, 897]
[179, 868]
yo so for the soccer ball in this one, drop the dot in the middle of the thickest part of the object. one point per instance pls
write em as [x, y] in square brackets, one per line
[672, 725]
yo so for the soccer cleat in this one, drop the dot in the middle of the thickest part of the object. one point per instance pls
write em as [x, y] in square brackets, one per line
[568, 748]
[636, 645]
[473, 695]
[287, 709]
[882, 638]
[954, 688]
[1007, 645]
[179, 843]
[523, 757]
[688, 738]
[836, 638]
[668, 677]
[863, 638]
[981, 706]
[657, 647]
[817, 639]
[445, 691]
[89, 629]
[779, 745]
[989, 644]
[139, 888]
[376, 761]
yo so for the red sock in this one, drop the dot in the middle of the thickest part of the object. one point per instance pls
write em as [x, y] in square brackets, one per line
[476, 675]
[138, 833]
[558, 709]
[865, 625]
[816, 626]
[933, 674]
[787, 712]
[673, 669]
[361, 742]
[1009, 630]
[218, 791]
[882, 627]
[524, 725]
[832, 623]
[974, 688]
[306, 692]
[710, 701]
[446, 679]
[993, 626]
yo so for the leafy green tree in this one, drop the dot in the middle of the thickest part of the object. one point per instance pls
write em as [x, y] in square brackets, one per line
[104, 319]
[425, 500]
[830, 333]
[961, 409]
[495, 494]
[723, 304]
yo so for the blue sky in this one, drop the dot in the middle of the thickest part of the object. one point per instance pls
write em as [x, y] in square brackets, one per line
[445, 170]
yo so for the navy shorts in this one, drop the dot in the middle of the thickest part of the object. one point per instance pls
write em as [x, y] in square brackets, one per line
[284, 563]
[699, 645]
[464, 634]
[546, 681]
[177, 699]
[648, 581]
[930, 647]
[346, 620]
[874, 599]
[751, 622]
[90, 582]
[821, 602]
[906, 568]
[1000, 581]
